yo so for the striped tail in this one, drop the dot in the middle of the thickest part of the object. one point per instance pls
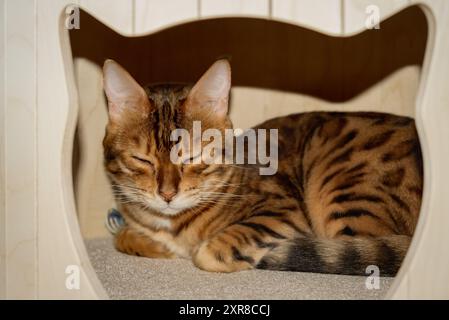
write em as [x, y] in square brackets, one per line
[338, 256]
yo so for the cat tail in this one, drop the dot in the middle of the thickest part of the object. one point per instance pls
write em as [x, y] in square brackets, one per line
[338, 256]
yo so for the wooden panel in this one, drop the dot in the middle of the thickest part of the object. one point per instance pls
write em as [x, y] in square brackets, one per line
[395, 94]
[323, 16]
[60, 244]
[93, 193]
[263, 53]
[219, 8]
[116, 14]
[20, 153]
[356, 12]
[154, 14]
[421, 280]
[399, 286]
[2, 152]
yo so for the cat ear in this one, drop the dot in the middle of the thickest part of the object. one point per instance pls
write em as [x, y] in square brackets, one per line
[123, 92]
[211, 92]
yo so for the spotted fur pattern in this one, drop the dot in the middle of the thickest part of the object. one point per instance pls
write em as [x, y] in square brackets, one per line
[347, 193]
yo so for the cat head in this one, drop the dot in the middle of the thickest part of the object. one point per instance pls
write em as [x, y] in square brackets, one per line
[137, 142]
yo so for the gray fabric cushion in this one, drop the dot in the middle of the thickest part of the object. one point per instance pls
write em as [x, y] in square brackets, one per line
[129, 277]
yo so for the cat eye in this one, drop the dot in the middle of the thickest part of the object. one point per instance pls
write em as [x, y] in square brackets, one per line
[142, 160]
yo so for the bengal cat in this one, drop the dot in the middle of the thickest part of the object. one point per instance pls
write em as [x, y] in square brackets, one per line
[346, 194]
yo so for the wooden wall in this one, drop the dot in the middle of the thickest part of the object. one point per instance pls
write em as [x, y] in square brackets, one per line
[18, 155]
[337, 17]
[39, 234]
[3, 248]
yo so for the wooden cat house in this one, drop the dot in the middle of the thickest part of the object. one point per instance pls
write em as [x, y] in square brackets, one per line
[287, 56]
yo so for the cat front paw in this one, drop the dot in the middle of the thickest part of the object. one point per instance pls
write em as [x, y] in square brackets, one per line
[218, 260]
[134, 243]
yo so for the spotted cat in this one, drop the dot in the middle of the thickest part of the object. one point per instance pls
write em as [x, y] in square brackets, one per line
[346, 194]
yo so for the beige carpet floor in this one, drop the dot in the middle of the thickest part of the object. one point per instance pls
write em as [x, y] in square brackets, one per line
[129, 277]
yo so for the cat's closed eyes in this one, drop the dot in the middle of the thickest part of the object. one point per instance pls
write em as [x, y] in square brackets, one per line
[346, 195]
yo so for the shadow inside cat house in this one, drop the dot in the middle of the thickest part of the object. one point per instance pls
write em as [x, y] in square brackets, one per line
[264, 53]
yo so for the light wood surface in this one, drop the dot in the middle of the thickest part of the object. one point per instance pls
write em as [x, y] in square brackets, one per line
[20, 151]
[151, 15]
[247, 8]
[59, 242]
[39, 228]
[424, 274]
[323, 16]
[117, 14]
[3, 227]
[93, 193]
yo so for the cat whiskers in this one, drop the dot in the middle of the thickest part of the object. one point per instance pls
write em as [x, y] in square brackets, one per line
[127, 194]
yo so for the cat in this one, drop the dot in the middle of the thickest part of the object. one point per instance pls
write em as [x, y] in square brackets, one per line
[346, 195]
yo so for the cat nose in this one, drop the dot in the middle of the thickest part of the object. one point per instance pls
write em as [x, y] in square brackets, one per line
[167, 195]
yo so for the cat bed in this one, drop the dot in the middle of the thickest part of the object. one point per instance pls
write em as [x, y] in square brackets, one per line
[131, 277]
